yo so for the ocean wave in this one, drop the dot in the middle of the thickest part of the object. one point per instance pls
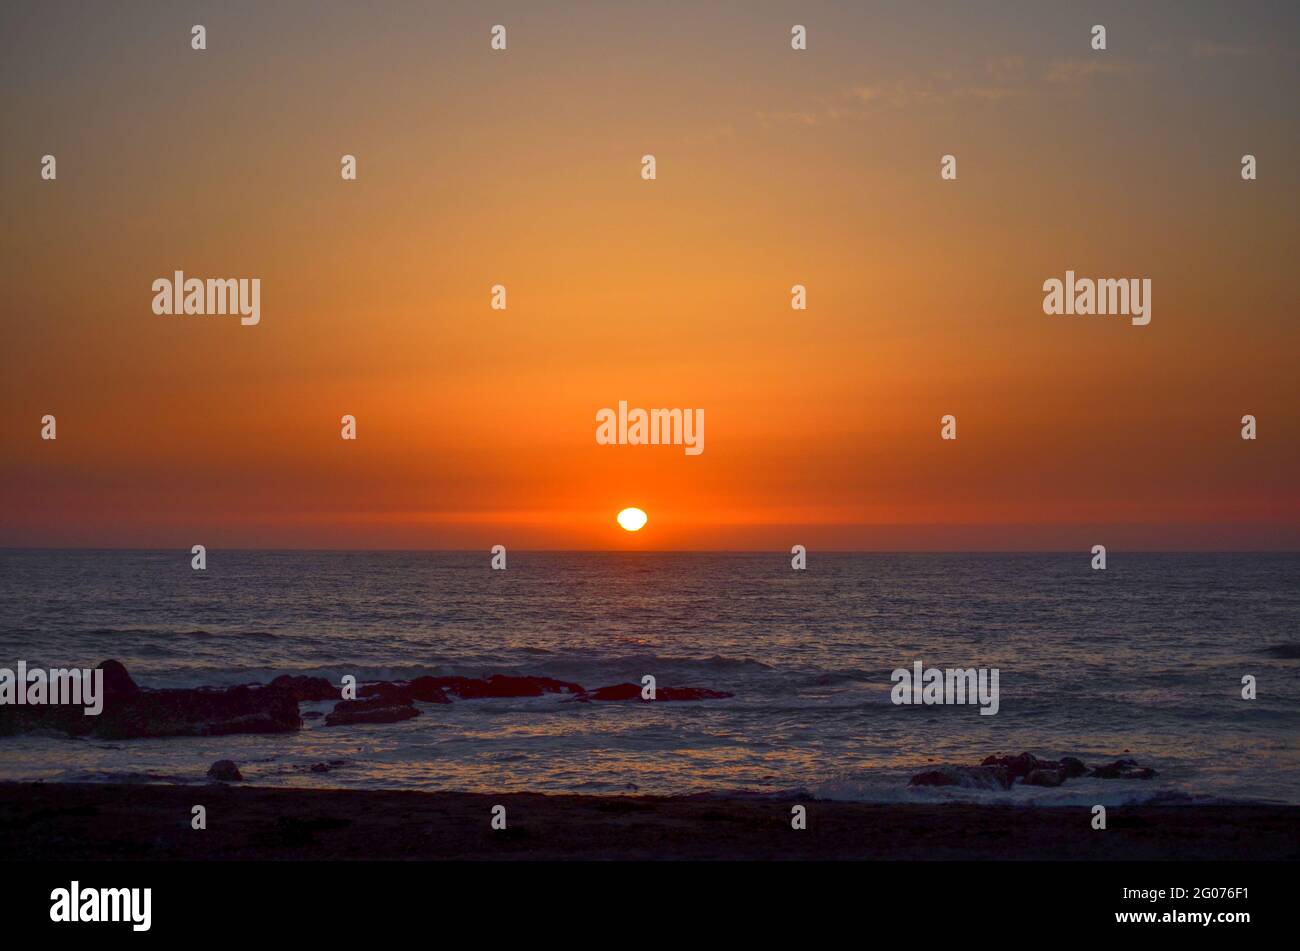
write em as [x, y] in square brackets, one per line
[1288, 651]
[590, 672]
[887, 786]
[131, 776]
[155, 632]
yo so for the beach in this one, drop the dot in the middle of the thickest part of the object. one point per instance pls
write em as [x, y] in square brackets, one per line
[100, 822]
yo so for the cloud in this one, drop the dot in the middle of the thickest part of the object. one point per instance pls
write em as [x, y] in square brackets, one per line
[1006, 67]
[997, 80]
[1068, 72]
[991, 93]
[900, 92]
[1212, 49]
[1003, 81]
[790, 117]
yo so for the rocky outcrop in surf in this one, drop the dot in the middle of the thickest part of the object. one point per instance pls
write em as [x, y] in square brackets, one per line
[225, 771]
[377, 709]
[132, 712]
[498, 686]
[304, 688]
[423, 689]
[1002, 772]
[633, 692]
[1123, 769]
[967, 777]
[1033, 771]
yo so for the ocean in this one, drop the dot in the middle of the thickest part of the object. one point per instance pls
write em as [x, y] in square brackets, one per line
[1144, 660]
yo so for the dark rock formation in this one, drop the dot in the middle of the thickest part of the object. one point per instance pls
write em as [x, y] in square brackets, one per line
[633, 692]
[424, 689]
[372, 710]
[329, 767]
[1028, 770]
[224, 770]
[118, 684]
[1045, 777]
[306, 688]
[201, 712]
[500, 685]
[1123, 769]
[131, 712]
[967, 777]
[1018, 767]
[1073, 767]
[436, 689]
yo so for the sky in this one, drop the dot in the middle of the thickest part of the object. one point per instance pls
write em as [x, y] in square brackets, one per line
[774, 167]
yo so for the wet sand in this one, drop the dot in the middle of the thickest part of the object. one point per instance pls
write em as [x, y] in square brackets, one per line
[47, 821]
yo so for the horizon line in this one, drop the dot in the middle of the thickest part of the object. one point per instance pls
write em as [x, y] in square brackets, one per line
[672, 551]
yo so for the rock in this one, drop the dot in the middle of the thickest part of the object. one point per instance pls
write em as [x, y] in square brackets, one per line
[690, 693]
[395, 691]
[15, 719]
[500, 685]
[225, 771]
[1053, 772]
[967, 777]
[306, 688]
[633, 692]
[424, 689]
[1017, 767]
[327, 767]
[197, 712]
[1073, 767]
[1123, 769]
[1045, 777]
[1029, 770]
[118, 684]
[616, 692]
[429, 689]
[131, 712]
[372, 710]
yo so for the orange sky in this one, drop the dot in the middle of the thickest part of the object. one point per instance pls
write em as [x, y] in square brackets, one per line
[476, 427]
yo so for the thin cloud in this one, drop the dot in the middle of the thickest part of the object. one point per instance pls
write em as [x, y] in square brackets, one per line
[1068, 72]
[1212, 49]
[999, 79]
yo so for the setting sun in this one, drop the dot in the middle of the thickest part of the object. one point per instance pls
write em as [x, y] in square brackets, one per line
[632, 519]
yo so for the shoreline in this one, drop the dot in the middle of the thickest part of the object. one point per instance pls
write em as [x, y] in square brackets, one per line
[119, 821]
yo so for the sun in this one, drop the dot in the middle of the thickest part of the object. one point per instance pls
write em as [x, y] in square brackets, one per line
[632, 519]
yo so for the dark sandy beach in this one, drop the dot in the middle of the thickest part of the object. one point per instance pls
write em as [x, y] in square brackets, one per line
[149, 822]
